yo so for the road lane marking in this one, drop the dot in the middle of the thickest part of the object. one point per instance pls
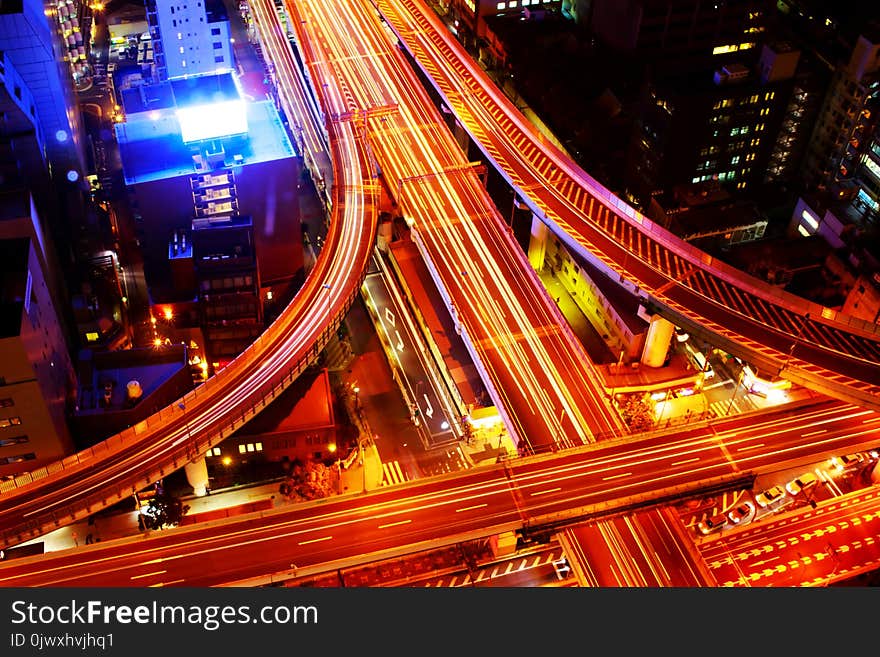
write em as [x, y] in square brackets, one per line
[544, 492]
[813, 433]
[392, 524]
[315, 540]
[696, 458]
[755, 446]
[471, 508]
[161, 584]
[625, 474]
[158, 572]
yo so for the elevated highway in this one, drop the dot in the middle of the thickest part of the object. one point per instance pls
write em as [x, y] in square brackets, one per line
[57, 495]
[536, 494]
[815, 346]
[536, 371]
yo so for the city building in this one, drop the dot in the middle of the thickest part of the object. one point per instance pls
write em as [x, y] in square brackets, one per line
[189, 37]
[36, 375]
[33, 38]
[681, 35]
[300, 425]
[118, 389]
[467, 18]
[706, 215]
[722, 125]
[228, 280]
[844, 153]
[195, 155]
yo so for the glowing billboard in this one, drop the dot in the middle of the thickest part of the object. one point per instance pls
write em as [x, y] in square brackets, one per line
[211, 121]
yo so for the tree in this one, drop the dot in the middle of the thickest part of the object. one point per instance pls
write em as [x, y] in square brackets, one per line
[637, 412]
[164, 510]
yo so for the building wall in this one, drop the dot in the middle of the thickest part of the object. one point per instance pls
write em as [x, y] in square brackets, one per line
[191, 45]
[36, 374]
[267, 191]
[31, 40]
[685, 33]
[724, 132]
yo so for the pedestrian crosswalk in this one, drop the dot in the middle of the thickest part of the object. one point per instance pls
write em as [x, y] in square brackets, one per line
[392, 473]
[724, 407]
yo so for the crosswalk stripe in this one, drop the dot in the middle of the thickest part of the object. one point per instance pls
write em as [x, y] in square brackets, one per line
[393, 474]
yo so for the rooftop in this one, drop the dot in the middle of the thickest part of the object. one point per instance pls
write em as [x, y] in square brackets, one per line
[154, 149]
[104, 376]
[204, 89]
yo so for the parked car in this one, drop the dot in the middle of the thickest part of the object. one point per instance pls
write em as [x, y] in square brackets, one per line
[712, 524]
[847, 461]
[801, 482]
[767, 497]
[741, 513]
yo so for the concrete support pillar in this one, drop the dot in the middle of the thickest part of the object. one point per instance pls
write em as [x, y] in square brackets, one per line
[657, 342]
[503, 545]
[197, 476]
[538, 243]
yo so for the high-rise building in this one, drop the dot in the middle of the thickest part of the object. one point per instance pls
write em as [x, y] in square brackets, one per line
[193, 148]
[682, 34]
[844, 153]
[723, 126]
[36, 375]
[189, 37]
[228, 282]
[31, 40]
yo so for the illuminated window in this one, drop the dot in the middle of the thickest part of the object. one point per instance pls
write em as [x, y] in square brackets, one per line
[18, 458]
[14, 440]
[242, 449]
[809, 219]
[259, 447]
[250, 447]
[181, 50]
[214, 451]
[511, 5]
[91, 336]
[179, 36]
[500, 6]
[734, 159]
[9, 421]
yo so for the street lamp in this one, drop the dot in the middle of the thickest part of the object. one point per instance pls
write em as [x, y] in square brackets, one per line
[333, 449]
[326, 288]
[794, 343]
[189, 447]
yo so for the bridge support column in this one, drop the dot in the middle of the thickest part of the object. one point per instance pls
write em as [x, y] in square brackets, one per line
[197, 476]
[538, 243]
[657, 341]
